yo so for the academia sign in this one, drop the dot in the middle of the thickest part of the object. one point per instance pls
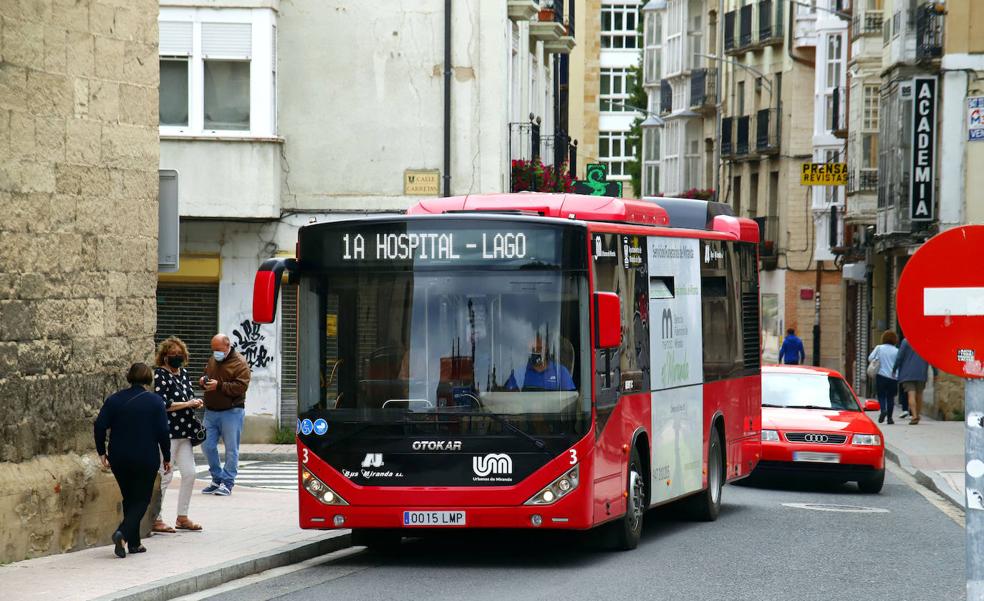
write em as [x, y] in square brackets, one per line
[922, 178]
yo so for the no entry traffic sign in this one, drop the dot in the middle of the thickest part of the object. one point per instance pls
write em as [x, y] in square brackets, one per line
[940, 301]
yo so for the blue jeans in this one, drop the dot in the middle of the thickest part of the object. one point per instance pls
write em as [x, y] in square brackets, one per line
[887, 389]
[229, 426]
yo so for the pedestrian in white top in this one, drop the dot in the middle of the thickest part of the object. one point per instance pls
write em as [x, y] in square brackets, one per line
[885, 384]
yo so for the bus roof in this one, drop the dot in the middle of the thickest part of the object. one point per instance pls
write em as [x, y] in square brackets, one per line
[666, 212]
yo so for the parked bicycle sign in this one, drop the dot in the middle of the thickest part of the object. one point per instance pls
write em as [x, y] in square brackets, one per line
[823, 174]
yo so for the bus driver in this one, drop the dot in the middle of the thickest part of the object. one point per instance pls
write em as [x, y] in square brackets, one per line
[542, 373]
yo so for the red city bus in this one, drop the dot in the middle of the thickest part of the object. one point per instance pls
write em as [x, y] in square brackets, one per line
[522, 361]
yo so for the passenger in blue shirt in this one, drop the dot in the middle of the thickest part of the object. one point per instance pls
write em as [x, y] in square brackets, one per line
[791, 352]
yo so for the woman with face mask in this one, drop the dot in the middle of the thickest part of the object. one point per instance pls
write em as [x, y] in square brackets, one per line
[172, 383]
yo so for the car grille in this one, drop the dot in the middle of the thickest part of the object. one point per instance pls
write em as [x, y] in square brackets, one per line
[816, 437]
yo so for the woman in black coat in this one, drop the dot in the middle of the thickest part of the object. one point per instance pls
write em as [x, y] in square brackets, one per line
[137, 425]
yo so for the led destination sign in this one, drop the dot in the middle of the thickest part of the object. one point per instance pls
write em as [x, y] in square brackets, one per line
[433, 243]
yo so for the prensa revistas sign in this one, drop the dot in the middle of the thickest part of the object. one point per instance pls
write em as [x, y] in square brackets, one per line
[922, 174]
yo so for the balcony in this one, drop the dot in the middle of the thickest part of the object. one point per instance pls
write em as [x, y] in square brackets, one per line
[767, 131]
[522, 10]
[741, 136]
[768, 241]
[770, 22]
[865, 180]
[703, 89]
[929, 34]
[665, 97]
[549, 28]
[868, 23]
[727, 136]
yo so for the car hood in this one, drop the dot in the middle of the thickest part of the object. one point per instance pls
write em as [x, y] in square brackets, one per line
[816, 420]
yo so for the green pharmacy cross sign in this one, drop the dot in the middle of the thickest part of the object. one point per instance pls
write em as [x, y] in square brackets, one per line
[595, 183]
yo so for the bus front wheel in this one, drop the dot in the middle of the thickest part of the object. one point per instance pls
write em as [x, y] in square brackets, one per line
[628, 530]
[706, 505]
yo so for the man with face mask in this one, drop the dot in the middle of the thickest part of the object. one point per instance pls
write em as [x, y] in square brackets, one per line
[225, 382]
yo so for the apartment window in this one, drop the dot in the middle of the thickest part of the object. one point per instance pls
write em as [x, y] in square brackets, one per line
[654, 41]
[834, 99]
[651, 185]
[218, 72]
[619, 25]
[614, 151]
[870, 116]
[616, 87]
[741, 98]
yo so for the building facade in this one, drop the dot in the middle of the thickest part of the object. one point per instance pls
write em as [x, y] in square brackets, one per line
[78, 252]
[278, 114]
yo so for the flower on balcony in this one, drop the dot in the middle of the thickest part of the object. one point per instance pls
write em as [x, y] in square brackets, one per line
[699, 194]
[536, 177]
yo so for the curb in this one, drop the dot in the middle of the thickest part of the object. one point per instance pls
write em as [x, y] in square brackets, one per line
[211, 577]
[929, 480]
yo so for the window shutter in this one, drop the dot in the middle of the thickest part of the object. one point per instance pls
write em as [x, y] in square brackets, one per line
[175, 38]
[227, 40]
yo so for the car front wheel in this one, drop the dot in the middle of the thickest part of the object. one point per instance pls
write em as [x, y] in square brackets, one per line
[872, 485]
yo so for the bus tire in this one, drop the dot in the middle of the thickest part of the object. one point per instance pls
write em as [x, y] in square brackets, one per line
[628, 530]
[377, 540]
[872, 485]
[706, 505]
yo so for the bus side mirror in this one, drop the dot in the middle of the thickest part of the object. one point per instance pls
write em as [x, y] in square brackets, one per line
[266, 288]
[608, 320]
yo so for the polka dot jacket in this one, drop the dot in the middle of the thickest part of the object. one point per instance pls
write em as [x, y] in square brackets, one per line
[176, 388]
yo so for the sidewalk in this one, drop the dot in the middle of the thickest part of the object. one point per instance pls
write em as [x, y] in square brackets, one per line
[933, 452]
[256, 452]
[251, 531]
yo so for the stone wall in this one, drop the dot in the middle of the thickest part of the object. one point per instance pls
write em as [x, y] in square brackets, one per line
[78, 246]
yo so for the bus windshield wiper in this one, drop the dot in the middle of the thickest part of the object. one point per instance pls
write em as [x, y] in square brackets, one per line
[506, 423]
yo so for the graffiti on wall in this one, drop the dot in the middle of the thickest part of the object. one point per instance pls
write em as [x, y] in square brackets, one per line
[250, 343]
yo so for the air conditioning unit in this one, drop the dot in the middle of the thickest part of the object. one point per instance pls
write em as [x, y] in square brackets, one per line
[855, 272]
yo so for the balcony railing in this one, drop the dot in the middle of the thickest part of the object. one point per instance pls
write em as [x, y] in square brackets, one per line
[745, 26]
[729, 30]
[727, 136]
[665, 97]
[741, 135]
[929, 33]
[767, 132]
[865, 180]
[768, 240]
[868, 23]
[703, 88]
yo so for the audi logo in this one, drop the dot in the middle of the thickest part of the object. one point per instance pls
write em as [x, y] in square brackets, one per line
[816, 438]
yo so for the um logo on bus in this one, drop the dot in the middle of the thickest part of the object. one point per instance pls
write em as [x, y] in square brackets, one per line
[667, 323]
[493, 463]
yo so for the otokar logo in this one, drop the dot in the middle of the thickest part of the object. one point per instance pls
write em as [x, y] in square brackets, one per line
[373, 460]
[493, 463]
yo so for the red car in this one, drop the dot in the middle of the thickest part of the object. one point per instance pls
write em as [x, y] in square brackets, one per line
[814, 425]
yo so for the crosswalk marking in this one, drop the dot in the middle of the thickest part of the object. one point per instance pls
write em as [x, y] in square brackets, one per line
[280, 475]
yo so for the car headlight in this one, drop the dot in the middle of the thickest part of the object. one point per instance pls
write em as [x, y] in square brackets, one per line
[870, 440]
[557, 489]
[319, 490]
[770, 436]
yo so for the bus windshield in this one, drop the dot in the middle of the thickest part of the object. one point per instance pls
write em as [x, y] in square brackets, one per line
[398, 345]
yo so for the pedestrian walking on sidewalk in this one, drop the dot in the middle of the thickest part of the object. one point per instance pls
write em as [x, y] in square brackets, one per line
[912, 371]
[885, 383]
[172, 383]
[791, 352]
[225, 382]
[138, 439]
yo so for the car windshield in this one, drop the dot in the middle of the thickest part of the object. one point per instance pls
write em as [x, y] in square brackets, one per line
[398, 346]
[807, 391]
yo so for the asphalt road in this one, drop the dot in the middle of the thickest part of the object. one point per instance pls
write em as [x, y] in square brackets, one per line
[759, 548]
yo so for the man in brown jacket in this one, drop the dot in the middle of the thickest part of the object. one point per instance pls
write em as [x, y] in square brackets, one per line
[225, 382]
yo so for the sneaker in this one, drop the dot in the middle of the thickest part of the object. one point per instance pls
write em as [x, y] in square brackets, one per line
[210, 489]
[881, 418]
[222, 491]
[904, 414]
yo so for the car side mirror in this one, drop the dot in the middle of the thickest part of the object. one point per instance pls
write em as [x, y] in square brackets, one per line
[871, 405]
[608, 320]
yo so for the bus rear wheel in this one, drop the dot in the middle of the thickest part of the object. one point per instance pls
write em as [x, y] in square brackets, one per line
[706, 505]
[377, 540]
[628, 530]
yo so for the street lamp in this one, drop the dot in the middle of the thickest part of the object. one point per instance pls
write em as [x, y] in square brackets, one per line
[649, 114]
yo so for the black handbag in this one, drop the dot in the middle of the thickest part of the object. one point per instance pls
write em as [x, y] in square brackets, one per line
[197, 432]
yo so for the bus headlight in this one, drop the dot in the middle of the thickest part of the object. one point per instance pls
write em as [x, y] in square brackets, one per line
[557, 489]
[319, 490]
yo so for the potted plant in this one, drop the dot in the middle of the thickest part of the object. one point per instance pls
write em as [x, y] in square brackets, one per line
[534, 176]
